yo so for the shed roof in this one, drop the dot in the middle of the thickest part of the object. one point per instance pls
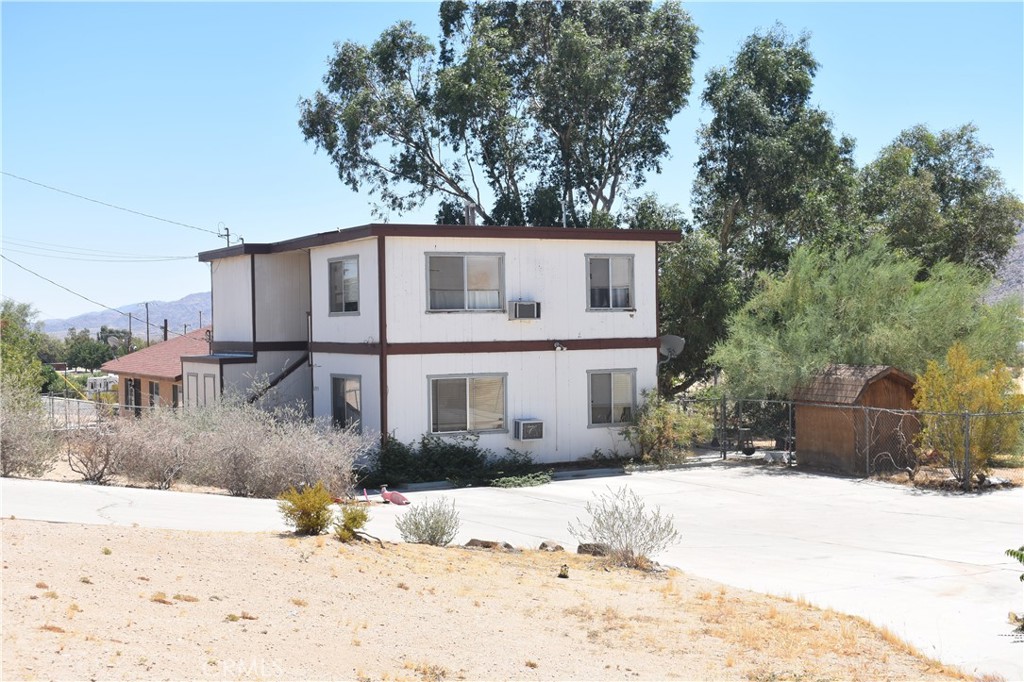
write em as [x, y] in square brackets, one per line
[845, 384]
[162, 360]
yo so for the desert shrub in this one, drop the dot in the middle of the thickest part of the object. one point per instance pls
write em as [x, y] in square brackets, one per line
[27, 445]
[432, 523]
[350, 521]
[660, 429]
[960, 386]
[620, 520]
[160, 447]
[307, 510]
[241, 447]
[94, 454]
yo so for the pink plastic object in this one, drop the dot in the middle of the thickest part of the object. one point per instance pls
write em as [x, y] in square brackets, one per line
[392, 497]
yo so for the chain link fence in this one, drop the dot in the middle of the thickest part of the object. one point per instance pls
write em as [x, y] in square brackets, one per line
[927, 448]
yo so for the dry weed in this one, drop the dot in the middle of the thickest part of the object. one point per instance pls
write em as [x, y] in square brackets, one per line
[42, 586]
[160, 598]
[185, 597]
[52, 628]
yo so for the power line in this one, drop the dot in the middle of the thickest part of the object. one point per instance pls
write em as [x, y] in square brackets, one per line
[40, 253]
[86, 298]
[109, 205]
[65, 248]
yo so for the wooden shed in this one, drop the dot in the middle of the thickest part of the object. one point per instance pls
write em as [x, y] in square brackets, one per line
[837, 428]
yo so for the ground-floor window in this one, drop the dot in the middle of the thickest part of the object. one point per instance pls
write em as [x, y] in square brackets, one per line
[347, 401]
[612, 396]
[175, 395]
[154, 394]
[467, 403]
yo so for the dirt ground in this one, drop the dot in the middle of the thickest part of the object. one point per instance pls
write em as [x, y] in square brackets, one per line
[103, 602]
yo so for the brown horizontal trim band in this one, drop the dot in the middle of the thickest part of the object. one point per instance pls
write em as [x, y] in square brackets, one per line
[430, 231]
[519, 346]
[345, 348]
[249, 347]
[220, 359]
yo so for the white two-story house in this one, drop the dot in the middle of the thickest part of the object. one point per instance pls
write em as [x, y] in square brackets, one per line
[539, 339]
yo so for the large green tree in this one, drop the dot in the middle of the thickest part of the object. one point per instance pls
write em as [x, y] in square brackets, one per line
[771, 173]
[21, 337]
[861, 305]
[698, 288]
[83, 350]
[521, 108]
[936, 196]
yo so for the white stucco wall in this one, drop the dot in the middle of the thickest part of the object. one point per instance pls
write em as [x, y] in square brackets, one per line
[200, 383]
[551, 271]
[270, 364]
[366, 367]
[550, 386]
[282, 296]
[232, 299]
[345, 327]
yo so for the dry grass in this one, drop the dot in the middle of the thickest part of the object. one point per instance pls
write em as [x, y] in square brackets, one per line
[465, 615]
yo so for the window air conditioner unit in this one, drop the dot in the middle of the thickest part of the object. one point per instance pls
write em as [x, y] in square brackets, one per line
[529, 429]
[524, 310]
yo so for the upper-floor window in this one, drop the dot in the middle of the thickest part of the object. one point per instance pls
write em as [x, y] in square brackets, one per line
[344, 282]
[612, 396]
[465, 282]
[610, 283]
[467, 403]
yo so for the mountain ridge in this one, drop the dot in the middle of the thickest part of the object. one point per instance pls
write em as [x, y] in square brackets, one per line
[193, 310]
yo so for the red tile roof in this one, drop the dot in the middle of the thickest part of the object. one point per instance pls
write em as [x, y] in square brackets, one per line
[161, 360]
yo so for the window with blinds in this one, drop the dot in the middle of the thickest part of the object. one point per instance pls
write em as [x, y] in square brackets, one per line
[612, 396]
[471, 403]
[343, 276]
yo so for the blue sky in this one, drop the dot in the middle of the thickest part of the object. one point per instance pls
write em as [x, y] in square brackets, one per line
[187, 111]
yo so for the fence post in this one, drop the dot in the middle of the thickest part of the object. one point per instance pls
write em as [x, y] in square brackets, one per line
[790, 446]
[721, 432]
[867, 441]
[967, 450]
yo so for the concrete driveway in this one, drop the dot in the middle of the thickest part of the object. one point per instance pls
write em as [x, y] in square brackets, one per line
[929, 566]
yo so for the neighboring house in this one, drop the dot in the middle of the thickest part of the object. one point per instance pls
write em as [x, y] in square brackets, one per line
[152, 376]
[837, 430]
[539, 339]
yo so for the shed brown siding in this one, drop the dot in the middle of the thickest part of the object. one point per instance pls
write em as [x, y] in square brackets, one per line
[835, 433]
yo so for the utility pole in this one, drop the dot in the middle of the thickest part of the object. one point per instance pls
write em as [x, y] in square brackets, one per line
[185, 326]
[147, 326]
[129, 332]
[200, 318]
[165, 329]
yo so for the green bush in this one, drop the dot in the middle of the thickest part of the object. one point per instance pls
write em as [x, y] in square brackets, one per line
[458, 459]
[432, 523]
[522, 481]
[350, 521]
[660, 430]
[620, 520]
[394, 462]
[307, 510]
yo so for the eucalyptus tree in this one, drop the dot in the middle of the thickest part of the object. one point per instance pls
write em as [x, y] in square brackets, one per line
[771, 173]
[936, 196]
[535, 112]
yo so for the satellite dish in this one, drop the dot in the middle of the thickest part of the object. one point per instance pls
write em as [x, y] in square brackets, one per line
[114, 342]
[671, 346]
